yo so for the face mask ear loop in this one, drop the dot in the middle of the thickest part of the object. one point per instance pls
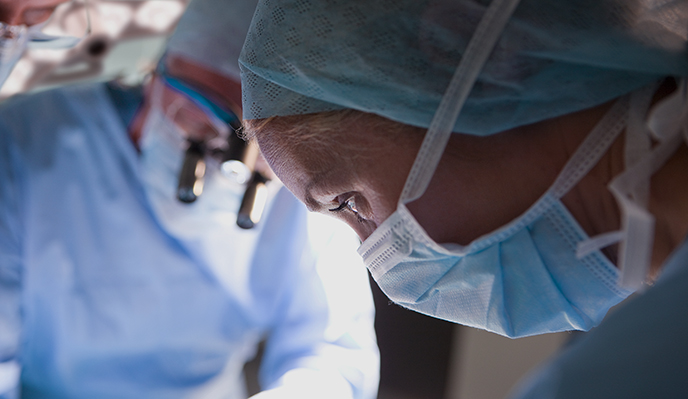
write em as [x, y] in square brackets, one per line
[637, 223]
[477, 52]
[592, 149]
[637, 146]
[638, 143]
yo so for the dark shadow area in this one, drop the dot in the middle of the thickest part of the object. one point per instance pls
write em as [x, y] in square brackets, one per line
[251, 370]
[415, 351]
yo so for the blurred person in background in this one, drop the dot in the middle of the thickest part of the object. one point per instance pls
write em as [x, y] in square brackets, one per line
[113, 287]
[21, 22]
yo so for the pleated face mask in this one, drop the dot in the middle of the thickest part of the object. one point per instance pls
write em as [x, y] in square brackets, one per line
[523, 279]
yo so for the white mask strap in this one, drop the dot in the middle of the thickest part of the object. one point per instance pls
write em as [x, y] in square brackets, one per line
[638, 143]
[591, 150]
[668, 122]
[477, 52]
[635, 251]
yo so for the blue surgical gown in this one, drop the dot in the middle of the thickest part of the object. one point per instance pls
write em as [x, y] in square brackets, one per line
[639, 351]
[109, 289]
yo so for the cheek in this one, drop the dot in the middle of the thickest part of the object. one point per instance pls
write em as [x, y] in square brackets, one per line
[362, 230]
[383, 203]
[384, 178]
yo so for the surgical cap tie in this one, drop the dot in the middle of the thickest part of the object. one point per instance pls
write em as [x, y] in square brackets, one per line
[479, 49]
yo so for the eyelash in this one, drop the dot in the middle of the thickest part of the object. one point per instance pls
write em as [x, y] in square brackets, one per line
[347, 205]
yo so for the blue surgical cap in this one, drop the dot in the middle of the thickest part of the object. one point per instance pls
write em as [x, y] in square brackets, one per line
[211, 33]
[395, 58]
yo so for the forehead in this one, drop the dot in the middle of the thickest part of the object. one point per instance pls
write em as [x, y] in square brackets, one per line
[317, 141]
[301, 161]
[357, 154]
[305, 161]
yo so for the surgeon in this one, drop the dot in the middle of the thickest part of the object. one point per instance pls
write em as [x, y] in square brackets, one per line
[113, 287]
[21, 22]
[518, 167]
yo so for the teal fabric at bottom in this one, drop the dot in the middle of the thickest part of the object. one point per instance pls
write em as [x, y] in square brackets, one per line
[639, 351]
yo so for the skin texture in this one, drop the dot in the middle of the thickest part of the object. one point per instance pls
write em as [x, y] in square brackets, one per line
[474, 175]
[27, 12]
[370, 168]
[481, 183]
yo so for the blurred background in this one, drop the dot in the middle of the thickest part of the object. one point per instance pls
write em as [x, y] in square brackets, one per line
[127, 38]
[422, 357]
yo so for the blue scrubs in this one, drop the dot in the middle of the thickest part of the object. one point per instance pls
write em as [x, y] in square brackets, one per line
[639, 351]
[110, 288]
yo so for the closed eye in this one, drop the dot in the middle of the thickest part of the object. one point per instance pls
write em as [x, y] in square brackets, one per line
[340, 207]
[349, 204]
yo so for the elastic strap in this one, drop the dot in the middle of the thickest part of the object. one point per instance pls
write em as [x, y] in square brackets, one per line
[591, 150]
[635, 250]
[638, 143]
[668, 123]
[478, 51]
[637, 147]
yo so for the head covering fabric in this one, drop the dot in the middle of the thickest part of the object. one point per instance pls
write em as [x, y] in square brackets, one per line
[212, 32]
[396, 58]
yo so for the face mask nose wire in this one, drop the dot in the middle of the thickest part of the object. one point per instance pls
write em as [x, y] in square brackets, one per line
[476, 55]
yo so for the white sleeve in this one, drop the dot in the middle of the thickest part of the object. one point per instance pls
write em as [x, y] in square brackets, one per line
[324, 344]
[9, 379]
[10, 266]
